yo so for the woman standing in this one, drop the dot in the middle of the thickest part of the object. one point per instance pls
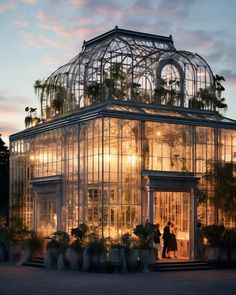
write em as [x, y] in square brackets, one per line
[173, 242]
[156, 240]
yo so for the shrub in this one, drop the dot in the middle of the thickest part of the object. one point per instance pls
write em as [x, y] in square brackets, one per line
[96, 245]
[145, 233]
[60, 240]
[214, 234]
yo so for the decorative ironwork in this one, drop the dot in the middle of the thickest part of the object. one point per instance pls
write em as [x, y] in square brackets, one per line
[130, 66]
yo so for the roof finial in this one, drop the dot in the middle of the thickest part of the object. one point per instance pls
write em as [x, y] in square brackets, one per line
[116, 27]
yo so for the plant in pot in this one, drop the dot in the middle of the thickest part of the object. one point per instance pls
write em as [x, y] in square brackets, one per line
[145, 233]
[33, 245]
[228, 249]
[131, 250]
[74, 253]
[56, 248]
[18, 233]
[214, 236]
[93, 93]
[6, 237]
[97, 249]
[117, 254]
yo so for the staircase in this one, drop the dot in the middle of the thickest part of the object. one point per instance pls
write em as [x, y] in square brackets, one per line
[35, 262]
[188, 265]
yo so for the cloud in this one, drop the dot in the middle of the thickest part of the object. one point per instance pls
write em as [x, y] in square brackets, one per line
[8, 5]
[229, 75]
[9, 110]
[21, 24]
[178, 9]
[78, 2]
[7, 128]
[53, 43]
[12, 113]
[29, 40]
[30, 2]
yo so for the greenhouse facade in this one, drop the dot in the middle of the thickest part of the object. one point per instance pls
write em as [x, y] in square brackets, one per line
[129, 129]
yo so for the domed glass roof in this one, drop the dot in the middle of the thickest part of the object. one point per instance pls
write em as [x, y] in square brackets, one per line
[129, 66]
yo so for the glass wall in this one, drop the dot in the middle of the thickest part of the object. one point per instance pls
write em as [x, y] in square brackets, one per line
[167, 147]
[100, 161]
[110, 175]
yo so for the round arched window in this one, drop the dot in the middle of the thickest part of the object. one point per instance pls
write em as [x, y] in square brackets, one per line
[170, 78]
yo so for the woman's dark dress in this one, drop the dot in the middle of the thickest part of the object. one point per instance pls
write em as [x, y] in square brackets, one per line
[172, 243]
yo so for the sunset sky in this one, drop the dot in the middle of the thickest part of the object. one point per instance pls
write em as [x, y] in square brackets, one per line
[38, 36]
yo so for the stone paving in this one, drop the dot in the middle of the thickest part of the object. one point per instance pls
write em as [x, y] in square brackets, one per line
[22, 280]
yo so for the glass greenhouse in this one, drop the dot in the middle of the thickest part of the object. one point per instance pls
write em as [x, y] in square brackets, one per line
[130, 130]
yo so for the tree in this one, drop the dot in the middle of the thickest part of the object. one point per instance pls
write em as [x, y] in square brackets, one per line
[4, 181]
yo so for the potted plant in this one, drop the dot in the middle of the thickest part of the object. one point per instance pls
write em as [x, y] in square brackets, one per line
[6, 237]
[75, 250]
[56, 248]
[96, 249]
[117, 255]
[214, 235]
[131, 249]
[93, 93]
[228, 248]
[33, 245]
[16, 235]
[145, 233]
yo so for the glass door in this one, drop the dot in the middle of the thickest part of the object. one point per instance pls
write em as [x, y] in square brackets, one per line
[46, 217]
[174, 207]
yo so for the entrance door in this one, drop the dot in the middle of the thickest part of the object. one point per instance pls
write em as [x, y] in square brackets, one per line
[46, 216]
[174, 207]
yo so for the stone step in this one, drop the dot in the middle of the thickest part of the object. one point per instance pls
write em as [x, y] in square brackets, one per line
[35, 262]
[180, 266]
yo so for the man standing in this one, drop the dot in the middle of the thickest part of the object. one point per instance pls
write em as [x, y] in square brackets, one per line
[166, 238]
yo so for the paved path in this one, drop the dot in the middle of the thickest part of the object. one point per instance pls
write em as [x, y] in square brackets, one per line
[24, 280]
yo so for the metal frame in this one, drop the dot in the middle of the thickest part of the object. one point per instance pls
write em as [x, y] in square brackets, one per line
[126, 65]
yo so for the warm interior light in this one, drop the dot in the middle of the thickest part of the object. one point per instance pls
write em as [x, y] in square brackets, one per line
[107, 157]
[132, 159]
[43, 158]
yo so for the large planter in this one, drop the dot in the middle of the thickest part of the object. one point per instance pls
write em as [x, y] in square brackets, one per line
[24, 257]
[50, 261]
[73, 258]
[224, 254]
[132, 256]
[1, 253]
[118, 259]
[212, 253]
[147, 257]
[115, 256]
[16, 250]
[233, 254]
[98, 257]
[61, 261]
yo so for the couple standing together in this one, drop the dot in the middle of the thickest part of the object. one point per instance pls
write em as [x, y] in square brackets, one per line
[169, 237]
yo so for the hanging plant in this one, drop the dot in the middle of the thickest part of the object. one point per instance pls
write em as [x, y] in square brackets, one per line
[31, 119]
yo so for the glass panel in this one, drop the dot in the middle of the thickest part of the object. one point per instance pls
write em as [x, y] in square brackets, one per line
[46, 214]
[174, 207]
